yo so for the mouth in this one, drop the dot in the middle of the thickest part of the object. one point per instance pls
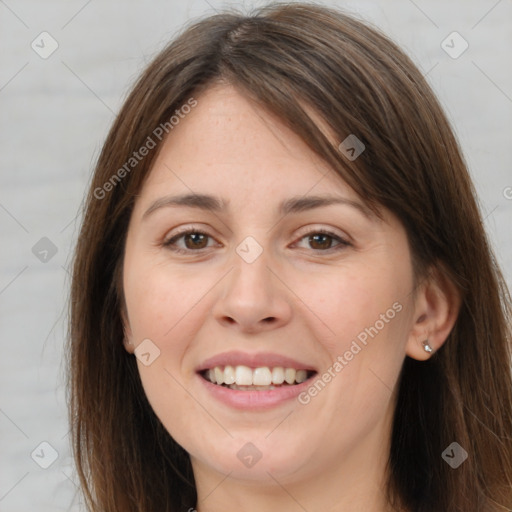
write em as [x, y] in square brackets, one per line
[261, 378]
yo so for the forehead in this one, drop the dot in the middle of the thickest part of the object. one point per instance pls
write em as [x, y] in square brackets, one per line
[228, 144]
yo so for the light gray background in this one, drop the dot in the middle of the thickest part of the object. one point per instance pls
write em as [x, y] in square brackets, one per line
[55, 113]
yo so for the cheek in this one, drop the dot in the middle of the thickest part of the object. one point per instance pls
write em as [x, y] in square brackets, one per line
[158, 299]
[349, 304]
[366, 313]
[165, 307]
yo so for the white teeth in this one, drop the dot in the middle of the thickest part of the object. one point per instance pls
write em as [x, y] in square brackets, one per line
[289, 375]
[219, 375]
[229, 375]
[243, 375]
[262, 377]
[235, 376]
[278, 375]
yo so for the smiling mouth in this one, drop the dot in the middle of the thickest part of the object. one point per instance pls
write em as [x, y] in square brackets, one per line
[264, 378]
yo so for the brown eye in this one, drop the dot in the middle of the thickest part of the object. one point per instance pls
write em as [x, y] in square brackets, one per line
[320, 241]
[193, 241]
[324, 241]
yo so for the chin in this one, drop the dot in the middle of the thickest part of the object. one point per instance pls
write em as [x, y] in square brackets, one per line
[255, 461]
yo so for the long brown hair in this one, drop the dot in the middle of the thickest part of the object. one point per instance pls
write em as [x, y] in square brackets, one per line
[291, 58]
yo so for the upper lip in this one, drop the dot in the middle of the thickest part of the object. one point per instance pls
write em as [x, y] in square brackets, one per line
[257, 360]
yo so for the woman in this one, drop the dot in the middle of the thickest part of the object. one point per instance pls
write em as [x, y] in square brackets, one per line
[283, 297]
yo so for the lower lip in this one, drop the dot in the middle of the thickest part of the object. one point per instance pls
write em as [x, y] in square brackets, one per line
[255, 399]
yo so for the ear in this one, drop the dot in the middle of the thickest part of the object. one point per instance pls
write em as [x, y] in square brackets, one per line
[128, 336]
[436, 308]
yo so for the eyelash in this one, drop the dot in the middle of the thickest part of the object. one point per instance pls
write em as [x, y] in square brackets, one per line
[341, 245]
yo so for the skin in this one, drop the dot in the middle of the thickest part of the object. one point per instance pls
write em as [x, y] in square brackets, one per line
[298, 298]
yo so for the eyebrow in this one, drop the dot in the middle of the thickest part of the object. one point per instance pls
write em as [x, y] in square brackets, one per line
[218, 205]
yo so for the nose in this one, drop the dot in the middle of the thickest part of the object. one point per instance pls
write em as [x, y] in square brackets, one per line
[253, 298]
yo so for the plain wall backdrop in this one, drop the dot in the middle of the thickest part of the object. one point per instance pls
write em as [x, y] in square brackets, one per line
[56, 109]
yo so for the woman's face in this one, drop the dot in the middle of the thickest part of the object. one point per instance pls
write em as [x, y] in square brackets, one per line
[277, 278]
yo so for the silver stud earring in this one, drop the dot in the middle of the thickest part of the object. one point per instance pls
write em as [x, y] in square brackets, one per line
[427, 347]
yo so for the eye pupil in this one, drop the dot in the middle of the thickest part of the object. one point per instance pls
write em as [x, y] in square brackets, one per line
[195, 237]
[315, 238]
